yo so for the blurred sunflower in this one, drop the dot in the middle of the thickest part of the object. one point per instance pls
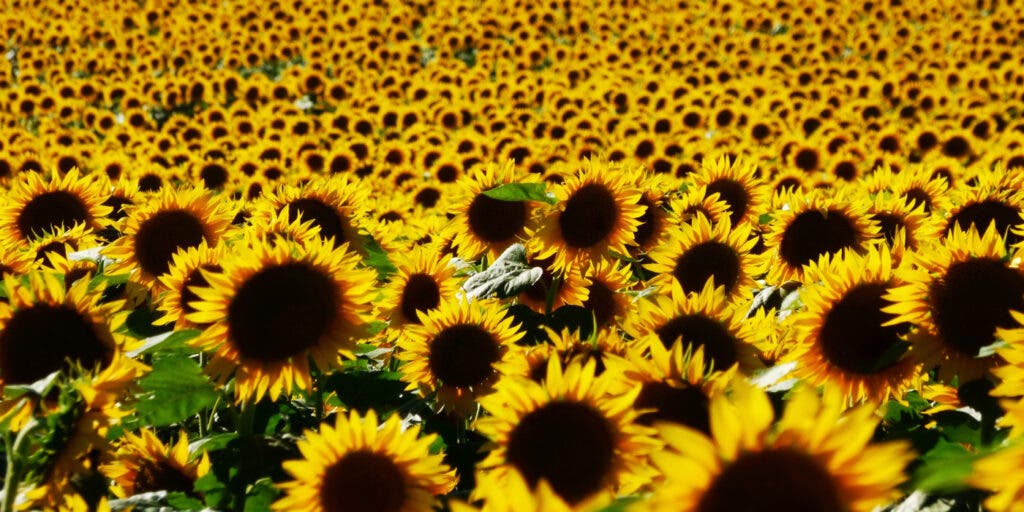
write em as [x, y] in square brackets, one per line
[843, 337]
[816, 457]
[999, 473]
[459, 351]
[172, 221]
[142, 463]
[812, 225]
[276, 308]
[362, 466]
[696, 252]
[484, 225]
[562, 288]
[37, 205]
[958, 293]
[569, 431]
[697, 201]
[598, 211]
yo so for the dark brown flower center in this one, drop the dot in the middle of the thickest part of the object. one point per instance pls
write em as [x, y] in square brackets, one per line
[589, 216]
[720, 346]
[706, 260]
[463, 355]
[779, 479]
[813, 233]
[972, 300]
[649, 222]
[38, 341]
[51, 210]
[888, 224]
[983, 213]
[162, 235]
[363, 481]
[686, 405]
[494, 221]
[282, 311]
[161, 476]
[853, 336]
[734, 194]
[568, 444]
[421, 293]
[601, 302]
[330, 222]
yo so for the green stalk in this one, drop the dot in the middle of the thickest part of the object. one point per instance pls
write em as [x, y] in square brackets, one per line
[246, 417]
[13, 476]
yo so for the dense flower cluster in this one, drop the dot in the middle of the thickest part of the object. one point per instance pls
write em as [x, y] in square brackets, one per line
[487, 255]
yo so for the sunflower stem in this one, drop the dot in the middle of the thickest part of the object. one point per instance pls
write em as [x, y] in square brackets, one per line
[246, 417]
[12, 478]
[552, 290]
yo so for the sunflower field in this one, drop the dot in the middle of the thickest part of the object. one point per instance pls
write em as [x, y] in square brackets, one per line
[512, 255]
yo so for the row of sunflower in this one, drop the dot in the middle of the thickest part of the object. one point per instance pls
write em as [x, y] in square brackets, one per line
[573, 255]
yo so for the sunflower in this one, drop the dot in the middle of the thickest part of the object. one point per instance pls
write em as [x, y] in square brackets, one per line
[959, 292]
[153, 232]
[185, 274]
[61, 242]
[563, 288]
[904, 224]
[423, 281]
[37, 205]
[999, 473]
[996, 200]
[675, 383]
[276, 307]
[283, 225]
[816, 457]
[697, 201]
[333, 204]
[519, 496]
[704, 319]
[604, 283]
[45, 327]
[570, 431]
[459, 351]
[484, 225]
[360, 465]
[697, 252]
[142, 463]
[843, 338]
[735, 183]
[15, 259]
[598, 211]
[812, 225]
[654, 220]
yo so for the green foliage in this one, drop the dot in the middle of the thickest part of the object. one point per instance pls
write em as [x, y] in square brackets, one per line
[521, 192]
[176, 389]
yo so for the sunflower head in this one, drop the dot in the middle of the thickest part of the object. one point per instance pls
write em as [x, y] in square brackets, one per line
[598, 212]
[153, 232]
[142, 463]
[361, 465]
[816, 457]
[459, 351]
[482, 224]
[959, 292]
[38, 205]
[571, 431]
[843, 337]
[273, 309]
[736, 184]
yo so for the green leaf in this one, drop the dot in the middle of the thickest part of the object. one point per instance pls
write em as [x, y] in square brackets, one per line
[214, 491]
[260, 495]
[944, 468]
[211, 443]
[139, 324]
[621, 504]
[175, 389]
[168, 341]
[380, 391]
[377, 259]
[182, 501]
[764, 218]
[891, 355]
[521, 192]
